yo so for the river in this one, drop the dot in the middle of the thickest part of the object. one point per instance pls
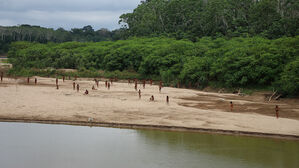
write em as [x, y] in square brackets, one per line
[24, 145]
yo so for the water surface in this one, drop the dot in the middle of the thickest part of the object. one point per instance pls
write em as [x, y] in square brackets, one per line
[40, 145]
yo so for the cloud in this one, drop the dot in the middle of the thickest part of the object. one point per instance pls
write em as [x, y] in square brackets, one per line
[65, 13]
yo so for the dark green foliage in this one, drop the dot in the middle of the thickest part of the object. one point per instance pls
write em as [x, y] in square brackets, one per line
[198, 18]
[237, 62]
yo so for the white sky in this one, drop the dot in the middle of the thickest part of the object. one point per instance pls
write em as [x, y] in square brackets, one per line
[65, 13]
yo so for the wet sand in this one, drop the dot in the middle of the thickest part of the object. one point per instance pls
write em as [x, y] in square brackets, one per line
[121, 107]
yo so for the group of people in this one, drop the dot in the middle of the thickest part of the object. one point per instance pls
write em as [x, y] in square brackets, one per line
[108, 85]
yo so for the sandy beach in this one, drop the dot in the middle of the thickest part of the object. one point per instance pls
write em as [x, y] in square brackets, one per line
[121, 105]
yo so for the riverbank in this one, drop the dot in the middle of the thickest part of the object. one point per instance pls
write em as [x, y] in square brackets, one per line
[188, 110]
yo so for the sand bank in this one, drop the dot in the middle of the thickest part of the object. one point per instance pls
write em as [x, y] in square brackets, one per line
[121, 107]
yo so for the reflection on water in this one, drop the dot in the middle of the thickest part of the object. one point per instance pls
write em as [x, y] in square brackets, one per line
[47, 146]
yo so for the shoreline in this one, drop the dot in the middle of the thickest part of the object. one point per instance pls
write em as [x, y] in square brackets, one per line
[157, 127]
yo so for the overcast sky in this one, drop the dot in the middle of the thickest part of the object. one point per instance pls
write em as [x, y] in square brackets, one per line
[65, 13]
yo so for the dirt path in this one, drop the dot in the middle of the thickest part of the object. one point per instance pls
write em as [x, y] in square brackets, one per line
[121, 104]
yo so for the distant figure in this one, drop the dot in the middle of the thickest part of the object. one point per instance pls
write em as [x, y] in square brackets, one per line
[152, 98]
[35, 81]
[167, 99]
[86, 92]
[57, 87]
[97, 83]
[136, 86]
[111, 80]
[56, 81]
[139, 92]
[28, 80]
[143, 84]
[160, 87]
[108, 85]
[1, 78]
[231, 106]
[151, 82]
[277, 110]
[78, 87]
[63, 78]
[74, 85]
[93, 88]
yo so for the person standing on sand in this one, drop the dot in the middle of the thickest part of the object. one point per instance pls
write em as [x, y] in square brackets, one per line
[160, 87]
[108, 85]
[74, 85]
[139, 92]
[35, 81]
[231, 106]
[136, 86]
[1, 76]
[167, 99]
[63, 77]
[78, 87]
[28, 80]
[143, 84]
[56, 81]
[277, 110]
[151, 82]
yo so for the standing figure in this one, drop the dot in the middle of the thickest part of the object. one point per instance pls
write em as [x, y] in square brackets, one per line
[78, 87]
[277, 110]
[28, 80]
[136, 86]
[97, 83]
[74, 85]
[111, 80]
[63, 78]
[35, 81]
[151, 82]
[143, 84]
[139, 93]
[160, 87]
[231, 106]
[56, 81]
[1, 76]
[108, 86]
[167, 99]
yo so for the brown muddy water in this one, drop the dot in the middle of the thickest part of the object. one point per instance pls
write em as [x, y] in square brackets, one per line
[52, 146]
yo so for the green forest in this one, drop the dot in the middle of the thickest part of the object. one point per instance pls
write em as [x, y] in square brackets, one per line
[191, 43]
